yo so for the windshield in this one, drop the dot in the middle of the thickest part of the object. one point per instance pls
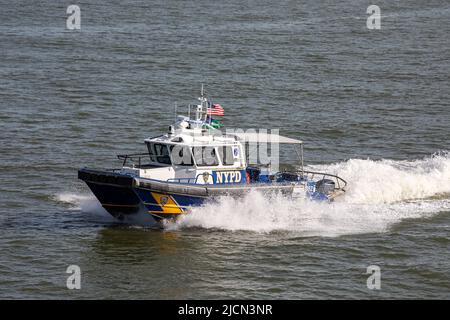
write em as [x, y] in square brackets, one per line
[205, 156]
[159, 153]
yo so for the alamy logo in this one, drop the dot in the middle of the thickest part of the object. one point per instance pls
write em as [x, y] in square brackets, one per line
[74, 280]
[263, 146]
[73, 22]
[263, 149]
[374, 280]
[374, 20]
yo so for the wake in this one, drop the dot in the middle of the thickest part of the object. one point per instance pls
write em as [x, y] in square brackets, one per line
[380, 194]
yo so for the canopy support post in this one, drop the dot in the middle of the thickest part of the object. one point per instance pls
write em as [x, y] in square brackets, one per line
[301, 153]
[300, 157]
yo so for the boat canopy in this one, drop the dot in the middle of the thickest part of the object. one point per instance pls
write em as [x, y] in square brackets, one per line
[260, 137]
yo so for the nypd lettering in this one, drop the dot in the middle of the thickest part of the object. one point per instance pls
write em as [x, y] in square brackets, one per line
[227, 177]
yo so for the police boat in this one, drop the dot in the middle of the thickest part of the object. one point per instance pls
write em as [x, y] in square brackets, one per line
[195, 162]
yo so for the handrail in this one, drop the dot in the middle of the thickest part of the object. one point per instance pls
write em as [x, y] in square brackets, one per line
[180, 180]
[132, 157]
[188, 179]
[339, 180]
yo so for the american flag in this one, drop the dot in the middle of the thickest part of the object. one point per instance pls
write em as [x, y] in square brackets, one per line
[216, 110]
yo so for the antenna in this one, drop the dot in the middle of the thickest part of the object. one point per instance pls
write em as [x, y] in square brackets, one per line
[176, 107]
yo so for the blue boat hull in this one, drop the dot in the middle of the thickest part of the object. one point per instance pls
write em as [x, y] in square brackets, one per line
[124, 196]
[113, 191]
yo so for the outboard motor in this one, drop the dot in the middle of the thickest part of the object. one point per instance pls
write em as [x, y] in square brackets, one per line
[325, 186]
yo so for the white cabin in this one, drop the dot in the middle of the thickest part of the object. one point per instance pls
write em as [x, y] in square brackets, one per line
[193, 152]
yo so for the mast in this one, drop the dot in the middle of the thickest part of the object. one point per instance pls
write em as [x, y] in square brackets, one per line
[203, 105]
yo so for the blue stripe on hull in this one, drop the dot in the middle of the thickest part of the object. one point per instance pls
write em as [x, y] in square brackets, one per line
[187, 201]
[149, 201]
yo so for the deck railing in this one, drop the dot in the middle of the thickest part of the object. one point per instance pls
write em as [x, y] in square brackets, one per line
[136, 160]
[133, 158]
[340, 183]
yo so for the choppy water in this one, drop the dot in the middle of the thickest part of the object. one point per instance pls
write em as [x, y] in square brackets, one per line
[372, 106]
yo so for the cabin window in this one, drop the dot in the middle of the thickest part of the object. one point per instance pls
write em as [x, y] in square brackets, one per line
[151, 152]
[226, 155]
[205, 156]
[181, 155]
[159, 153]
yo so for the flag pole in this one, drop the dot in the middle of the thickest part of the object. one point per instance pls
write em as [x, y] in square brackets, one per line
[210, 116]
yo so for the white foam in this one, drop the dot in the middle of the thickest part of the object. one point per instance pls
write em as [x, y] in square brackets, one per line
[388, 181]
[381, 193]
[72, 198]
[84, 202]
[88, 203]
[256, 212]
